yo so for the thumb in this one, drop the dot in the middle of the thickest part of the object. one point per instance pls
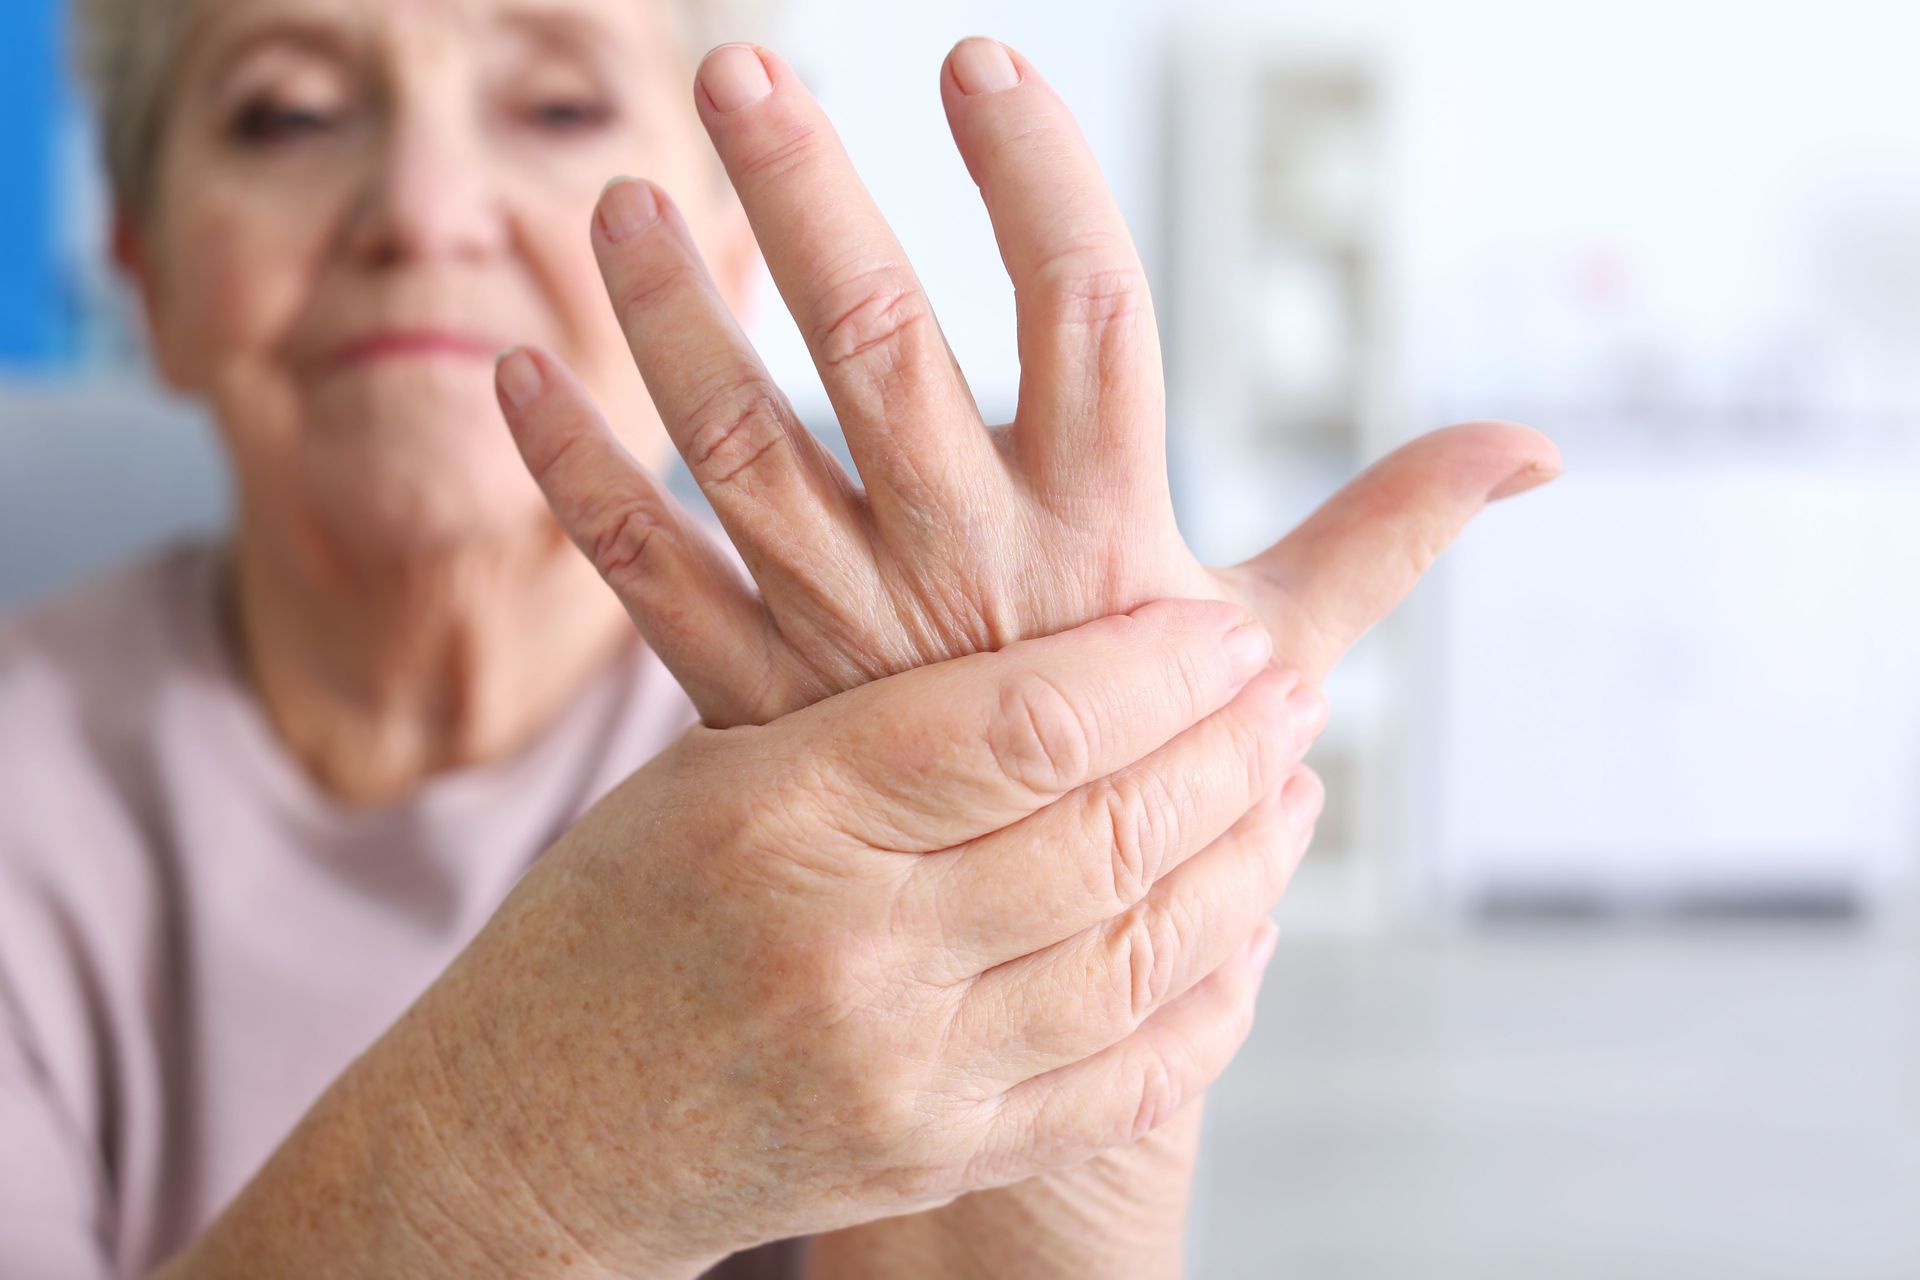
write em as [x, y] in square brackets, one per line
[1347, 565]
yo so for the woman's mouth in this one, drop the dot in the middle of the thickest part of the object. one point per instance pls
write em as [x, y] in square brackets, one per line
[415, 344]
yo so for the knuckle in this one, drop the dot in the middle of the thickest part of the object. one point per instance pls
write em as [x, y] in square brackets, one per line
[1140, 818]
[779, 142]
[1093, 297]
[544, 463]
[870, 319]
[650, 285]
[1194, 678]
[619, 552]
[909, 1129]
[1097, 299]
[925, 1185]
[1157, 1094]
[1093, 282]
[843, 1000]
[884, 1115]
[1149, 948]
[1040, 741]
[734, 431]
[1417, 537]
[819, 978]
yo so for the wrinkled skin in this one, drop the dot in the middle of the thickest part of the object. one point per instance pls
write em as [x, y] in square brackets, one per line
[964, 537]
[888, 950]
[951, 930]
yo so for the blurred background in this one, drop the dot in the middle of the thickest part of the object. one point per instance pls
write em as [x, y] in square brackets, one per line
[1607, 961]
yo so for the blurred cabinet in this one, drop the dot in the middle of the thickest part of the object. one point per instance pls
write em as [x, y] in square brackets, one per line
[1687, 681]
[1272, 316]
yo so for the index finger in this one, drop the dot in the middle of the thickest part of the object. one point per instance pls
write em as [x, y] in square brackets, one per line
[946, 753]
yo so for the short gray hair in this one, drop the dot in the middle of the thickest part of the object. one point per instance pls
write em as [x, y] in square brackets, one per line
[126, 51]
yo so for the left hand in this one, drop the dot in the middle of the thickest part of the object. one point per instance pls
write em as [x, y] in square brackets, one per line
[965, 537]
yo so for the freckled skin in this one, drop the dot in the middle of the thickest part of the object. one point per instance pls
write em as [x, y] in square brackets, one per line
[960, 536]
[740, 1019]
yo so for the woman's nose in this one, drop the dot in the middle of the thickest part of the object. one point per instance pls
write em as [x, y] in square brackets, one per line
[429, 194]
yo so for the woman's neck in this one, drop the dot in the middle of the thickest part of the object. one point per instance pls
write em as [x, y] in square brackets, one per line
[379, 671]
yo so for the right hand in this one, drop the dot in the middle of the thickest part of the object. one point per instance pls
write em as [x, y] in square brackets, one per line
[933, 935]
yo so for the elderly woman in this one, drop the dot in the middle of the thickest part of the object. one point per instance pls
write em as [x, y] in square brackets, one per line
[373, 903]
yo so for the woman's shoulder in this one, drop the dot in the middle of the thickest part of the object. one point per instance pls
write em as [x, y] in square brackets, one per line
[79, 676]
[81, 896]
[112, 621]
[103, 640]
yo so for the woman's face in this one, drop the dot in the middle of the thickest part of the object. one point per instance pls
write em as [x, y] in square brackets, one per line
[359, 202]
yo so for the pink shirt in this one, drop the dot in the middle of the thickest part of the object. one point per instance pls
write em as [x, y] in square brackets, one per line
[194, 941]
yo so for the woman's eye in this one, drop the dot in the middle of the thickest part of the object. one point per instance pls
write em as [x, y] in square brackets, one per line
[568, 115]
[265, 123]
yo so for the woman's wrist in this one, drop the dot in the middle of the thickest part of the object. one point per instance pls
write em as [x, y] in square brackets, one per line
[1119, 1216]
[534, 1202]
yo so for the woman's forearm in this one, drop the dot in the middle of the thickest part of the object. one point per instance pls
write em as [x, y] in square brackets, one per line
[1119, 1216]
[384, 1176]
[394, 1173]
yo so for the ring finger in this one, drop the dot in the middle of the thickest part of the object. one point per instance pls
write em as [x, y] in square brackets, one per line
[782, 499]
[988, 902]
[1116, 974]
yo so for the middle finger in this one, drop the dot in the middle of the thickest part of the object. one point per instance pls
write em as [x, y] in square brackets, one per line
[909, 419]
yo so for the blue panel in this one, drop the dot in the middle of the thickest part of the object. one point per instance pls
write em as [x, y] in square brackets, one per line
[35, 320]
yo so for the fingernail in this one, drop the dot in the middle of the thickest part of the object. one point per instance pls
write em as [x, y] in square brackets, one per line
[518, 376]
[1307, 708]
[627, 208]
[1531, 476]
[981, 65]
[1260, 946]
[734, 77]
[1247, 649]
[1299, 796]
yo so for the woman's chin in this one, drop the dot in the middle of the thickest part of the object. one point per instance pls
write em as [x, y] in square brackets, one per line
[434, 478]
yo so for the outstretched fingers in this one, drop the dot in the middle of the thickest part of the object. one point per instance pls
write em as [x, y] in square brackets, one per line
[910, 421]
[687, 599]
[781, 497]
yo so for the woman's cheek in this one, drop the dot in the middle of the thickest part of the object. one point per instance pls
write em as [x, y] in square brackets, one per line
[239, 279]
[553, 240]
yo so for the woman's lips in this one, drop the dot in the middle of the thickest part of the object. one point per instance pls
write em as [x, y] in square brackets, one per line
[415, 344]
